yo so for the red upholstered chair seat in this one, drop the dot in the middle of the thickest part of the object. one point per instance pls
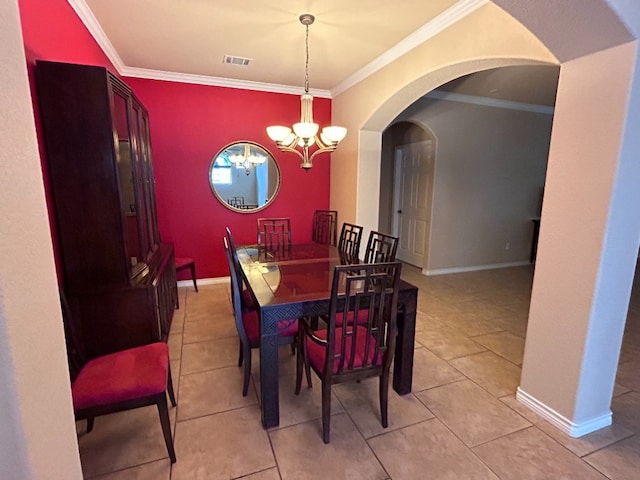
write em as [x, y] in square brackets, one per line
[183, 262]
[286, 328]
[125, 375]
[247, 300]
[317, 353]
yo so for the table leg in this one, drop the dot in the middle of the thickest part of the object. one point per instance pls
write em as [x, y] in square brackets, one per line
[269, 371]
[405, 342]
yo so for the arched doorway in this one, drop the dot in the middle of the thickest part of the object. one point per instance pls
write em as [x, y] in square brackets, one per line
[590, 233]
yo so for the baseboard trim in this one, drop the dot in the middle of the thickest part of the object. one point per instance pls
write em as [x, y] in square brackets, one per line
[572, 429]
[473, 268]
[204, 281]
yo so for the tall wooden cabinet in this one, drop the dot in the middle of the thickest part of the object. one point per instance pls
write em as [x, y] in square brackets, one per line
[119, 278]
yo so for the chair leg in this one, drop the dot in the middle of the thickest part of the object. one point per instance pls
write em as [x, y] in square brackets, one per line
[172, 396]
[326, 411]
[384, 399]
[240, 355]
[247, 371]
[163, 412]
[193, 275]
[299, 360]
[307, 366]
[89, 424]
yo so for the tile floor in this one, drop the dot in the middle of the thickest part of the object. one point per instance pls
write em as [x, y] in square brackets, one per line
[460, 422]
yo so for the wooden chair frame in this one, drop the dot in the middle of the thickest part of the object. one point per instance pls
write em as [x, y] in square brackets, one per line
[77, 362]
[381, 247]
[239, 310]
[350, 237]
[354, 351]
[325, 227]
[274, 233]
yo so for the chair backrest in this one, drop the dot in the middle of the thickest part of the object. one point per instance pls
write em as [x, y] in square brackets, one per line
[236, 289]
[350, 236]
[325, 227]
[73, 338]
[363, 292]
[235, 201]
[236, 263]
[381, 248]
[274, 233]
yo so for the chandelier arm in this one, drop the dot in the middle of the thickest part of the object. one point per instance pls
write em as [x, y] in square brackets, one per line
[285, 148]
[322, 149]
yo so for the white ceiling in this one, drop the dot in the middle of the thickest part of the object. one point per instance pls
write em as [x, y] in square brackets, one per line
[186, 40]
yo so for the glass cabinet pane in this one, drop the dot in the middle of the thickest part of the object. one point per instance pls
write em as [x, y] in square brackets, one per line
[152, 220]
[128, 189]
[145, 240]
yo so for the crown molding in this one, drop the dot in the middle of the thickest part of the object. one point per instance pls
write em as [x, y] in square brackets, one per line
[447, 18]
[219, 82]
[490, 102]
[88, 18]
[443, 21]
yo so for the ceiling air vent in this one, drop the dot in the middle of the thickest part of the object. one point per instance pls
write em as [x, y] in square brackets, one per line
[230, 59]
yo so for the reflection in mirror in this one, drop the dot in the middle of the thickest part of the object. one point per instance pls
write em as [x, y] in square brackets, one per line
[244, 176]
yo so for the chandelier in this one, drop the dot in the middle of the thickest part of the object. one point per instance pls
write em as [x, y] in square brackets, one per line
[247, 160]
[305, 133]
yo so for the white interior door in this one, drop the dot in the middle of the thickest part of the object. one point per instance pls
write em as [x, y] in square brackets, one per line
[413, 164]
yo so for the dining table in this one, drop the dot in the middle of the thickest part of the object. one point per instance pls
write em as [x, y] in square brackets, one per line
[295, 282]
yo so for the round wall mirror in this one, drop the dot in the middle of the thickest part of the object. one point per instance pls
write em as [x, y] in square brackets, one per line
[244, 176]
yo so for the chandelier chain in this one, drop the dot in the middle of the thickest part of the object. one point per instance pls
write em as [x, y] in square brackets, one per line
[306, 64]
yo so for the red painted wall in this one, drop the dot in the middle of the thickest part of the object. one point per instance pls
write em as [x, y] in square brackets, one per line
[189, 125]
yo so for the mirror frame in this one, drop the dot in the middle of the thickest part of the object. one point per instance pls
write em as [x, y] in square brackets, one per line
[270, 157]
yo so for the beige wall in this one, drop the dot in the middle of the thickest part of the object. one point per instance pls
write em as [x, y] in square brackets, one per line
[485, 39]
[37, 431]
[590, 234]
[576, 228]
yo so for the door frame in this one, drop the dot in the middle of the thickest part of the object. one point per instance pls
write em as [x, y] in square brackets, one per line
[430, 192]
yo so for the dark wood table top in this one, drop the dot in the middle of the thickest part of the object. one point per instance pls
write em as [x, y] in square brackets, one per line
[304, 272]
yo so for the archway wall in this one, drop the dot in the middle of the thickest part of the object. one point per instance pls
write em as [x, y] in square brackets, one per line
[37, 431]
[487, 38]
[589, 244]
[585, 232]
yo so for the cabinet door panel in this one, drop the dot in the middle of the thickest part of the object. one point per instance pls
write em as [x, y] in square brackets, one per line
[126, 178]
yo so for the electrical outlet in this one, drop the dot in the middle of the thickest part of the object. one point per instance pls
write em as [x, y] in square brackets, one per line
[507, 246]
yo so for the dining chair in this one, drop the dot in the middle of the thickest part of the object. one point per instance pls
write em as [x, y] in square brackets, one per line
[248, 322]
[349, 243]
[325, 227]
[183, 263]
[124, 380]
[353, 351]
[381, 248]
[245, 297]
[274, 233]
